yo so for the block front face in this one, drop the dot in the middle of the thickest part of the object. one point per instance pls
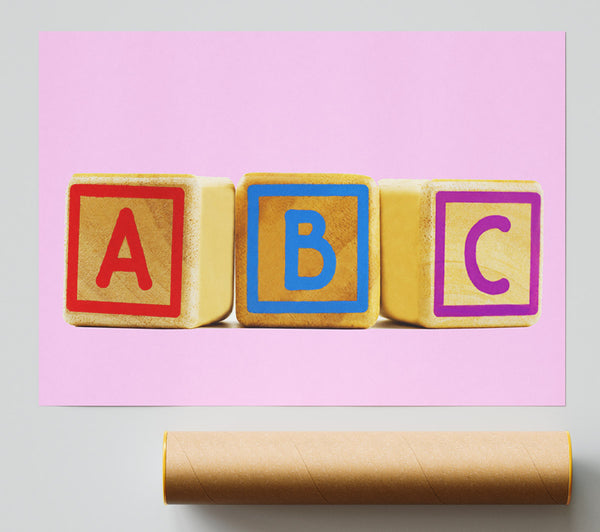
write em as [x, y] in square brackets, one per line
[149, 250]
[487, 248]
[125, 250]
[461, 253]
[306, 251]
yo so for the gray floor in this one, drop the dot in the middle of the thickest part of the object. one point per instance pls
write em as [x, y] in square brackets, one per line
[99, 468]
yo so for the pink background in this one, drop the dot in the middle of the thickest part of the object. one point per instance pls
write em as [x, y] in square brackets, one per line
[388, 105]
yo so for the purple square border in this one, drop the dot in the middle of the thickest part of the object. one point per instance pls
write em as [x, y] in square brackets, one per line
[444, 197]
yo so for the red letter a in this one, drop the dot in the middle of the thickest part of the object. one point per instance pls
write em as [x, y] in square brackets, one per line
[125, 228]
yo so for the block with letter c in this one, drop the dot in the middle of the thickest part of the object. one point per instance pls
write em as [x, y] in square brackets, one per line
[307, 250]
[461, 253]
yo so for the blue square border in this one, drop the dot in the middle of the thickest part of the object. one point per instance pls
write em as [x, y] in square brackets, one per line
[361, 304]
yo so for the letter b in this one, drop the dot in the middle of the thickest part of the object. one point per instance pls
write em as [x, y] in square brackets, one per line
[294, 241]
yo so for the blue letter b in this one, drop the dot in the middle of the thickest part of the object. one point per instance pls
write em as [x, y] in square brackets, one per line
[294, 241]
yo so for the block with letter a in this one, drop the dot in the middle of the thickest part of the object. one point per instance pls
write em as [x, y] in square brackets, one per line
[307, 250]
[461, 253]
[150, 250]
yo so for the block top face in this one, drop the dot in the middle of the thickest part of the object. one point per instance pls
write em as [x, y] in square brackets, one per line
[282, 178]
[463, 184]
[487, 247]
[499, 185]
[188, 180]
[305, 244]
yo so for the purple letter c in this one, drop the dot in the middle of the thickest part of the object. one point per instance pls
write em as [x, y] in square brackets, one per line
[479, 281]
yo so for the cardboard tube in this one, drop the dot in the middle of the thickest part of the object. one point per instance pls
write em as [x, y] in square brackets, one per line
[367, 467]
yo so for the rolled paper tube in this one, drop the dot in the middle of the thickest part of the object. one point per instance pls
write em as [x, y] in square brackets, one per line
[367, 467]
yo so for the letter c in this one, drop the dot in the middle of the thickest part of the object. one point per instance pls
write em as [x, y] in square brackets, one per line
[479, 281]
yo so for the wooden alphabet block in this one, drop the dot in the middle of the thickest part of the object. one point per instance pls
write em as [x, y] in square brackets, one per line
[461, 253]
[149, 250]
[307, 250]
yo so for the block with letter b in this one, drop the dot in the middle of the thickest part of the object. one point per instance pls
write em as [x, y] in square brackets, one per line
[307, 250]
[461, 253]
[149, 250]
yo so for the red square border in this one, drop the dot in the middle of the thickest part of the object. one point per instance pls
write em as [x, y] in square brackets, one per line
[77, 191]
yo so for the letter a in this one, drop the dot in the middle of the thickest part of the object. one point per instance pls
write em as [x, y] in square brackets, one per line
[125, 228]
[295, 241]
